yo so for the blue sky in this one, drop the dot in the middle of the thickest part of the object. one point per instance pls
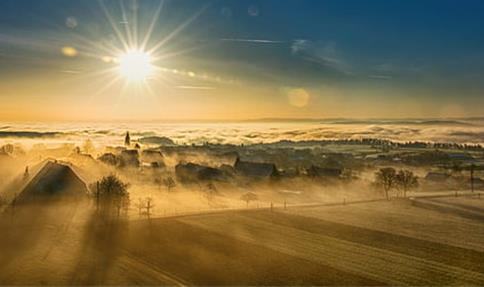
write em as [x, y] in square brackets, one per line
[378, 53]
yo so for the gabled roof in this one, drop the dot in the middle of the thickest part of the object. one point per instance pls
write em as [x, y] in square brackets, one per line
[54, 180]
[255, 169]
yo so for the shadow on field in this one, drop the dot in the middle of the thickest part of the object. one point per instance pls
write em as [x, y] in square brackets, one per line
[450, 255]
[202, 257]
[101, 245]
[462, 210]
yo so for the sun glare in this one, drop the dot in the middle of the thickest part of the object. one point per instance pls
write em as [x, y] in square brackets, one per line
[135, 65]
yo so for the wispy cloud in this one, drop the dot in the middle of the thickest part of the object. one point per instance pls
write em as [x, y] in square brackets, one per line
[260, 41]
[380, 77]
[196, 87]
[324, 54]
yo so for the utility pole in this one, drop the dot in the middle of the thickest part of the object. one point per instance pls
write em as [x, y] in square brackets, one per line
[97, 195]
[472, 177]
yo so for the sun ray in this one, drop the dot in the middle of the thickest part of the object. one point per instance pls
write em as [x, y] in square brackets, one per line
[179, 29]
[126, 23]
[152, 25]
[135, 22]
[104, 88]
[165, 56]
[114, 26]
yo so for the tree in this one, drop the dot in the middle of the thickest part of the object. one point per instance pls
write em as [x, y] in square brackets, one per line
[248, 197]
[406, 181]
[145, 206]
[169, 183]
[472, 168]
[210, 191]
[26, 173]
[2, 202]
[386, 178]
[112, 195]
[127, 140]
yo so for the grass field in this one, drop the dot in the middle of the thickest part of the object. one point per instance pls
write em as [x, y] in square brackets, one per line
[429, 242]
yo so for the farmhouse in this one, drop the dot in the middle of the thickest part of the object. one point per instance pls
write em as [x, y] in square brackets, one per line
[194, 172]
[109, 158]
[255, 169]
[129, 158]
[437, 177]
[316, 171]
[53, 181]
[152, 158]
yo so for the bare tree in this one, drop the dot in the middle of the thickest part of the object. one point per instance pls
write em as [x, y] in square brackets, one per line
[248, 197]
[386, 178]
[145, 206]
[406, 181]
[169, 183]
[472, 168]
[210, 191]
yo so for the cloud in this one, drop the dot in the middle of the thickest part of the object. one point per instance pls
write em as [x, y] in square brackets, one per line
[380, 77]
[259, 41]
[323, 54]
[195, 87]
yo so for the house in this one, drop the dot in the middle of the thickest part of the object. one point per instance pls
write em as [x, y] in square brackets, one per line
[129, 158]
[153, 157]
[255, 169]
[109, 158]
[316, 171]
[54, 181]
[195, 172]
[437, 177]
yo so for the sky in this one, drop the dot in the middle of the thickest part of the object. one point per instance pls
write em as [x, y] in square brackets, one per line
[238, 59]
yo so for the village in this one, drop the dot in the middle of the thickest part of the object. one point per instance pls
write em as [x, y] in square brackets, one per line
[231, 176]
[127, 213]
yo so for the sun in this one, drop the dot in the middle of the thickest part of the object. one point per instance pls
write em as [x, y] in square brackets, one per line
[135, 65]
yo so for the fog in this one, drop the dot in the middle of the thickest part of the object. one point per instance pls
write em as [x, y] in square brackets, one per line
[103, 134]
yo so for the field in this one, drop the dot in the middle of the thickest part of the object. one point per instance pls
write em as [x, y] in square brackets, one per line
[431, 241]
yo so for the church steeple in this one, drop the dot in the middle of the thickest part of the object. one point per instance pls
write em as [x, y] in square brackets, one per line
[127, 140]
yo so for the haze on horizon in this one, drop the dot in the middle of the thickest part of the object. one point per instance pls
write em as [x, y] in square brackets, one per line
[233, 60]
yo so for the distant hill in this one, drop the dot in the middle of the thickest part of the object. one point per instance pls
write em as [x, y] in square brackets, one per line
[155, 140]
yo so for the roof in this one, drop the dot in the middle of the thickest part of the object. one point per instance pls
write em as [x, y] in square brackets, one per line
[437, 176]
[255, 169]
[54, 180]
[324, 171]
[192, 171]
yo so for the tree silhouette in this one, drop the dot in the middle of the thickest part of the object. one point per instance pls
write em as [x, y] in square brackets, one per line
[145, 206]
[472, 168]
[248, 197]
[112, 195]
[210, 191]
[386, 178]
[406, 181]
[26, 173]
[169, 183]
